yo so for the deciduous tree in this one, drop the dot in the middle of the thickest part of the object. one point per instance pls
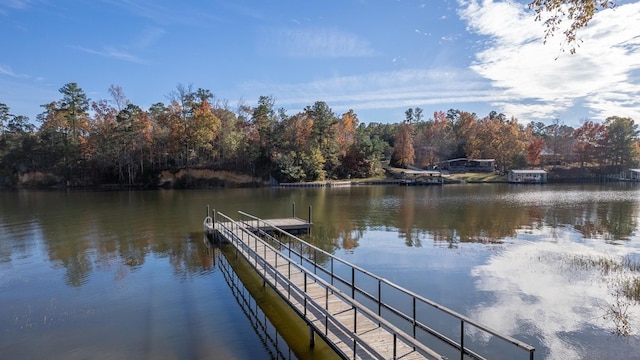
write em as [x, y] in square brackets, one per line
[534, 149]
[435, 141]
[620, 141]
[403, 153]
[578, 13]
[588, 140]
[345, 130]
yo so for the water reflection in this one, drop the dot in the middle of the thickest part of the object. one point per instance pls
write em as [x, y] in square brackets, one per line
[519, 282]
[273, 342]
[126, 227]
[468, 214]
[538, 289]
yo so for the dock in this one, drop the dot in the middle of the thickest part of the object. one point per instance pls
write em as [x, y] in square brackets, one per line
[316, 184]
[354, 311]
[292, 225]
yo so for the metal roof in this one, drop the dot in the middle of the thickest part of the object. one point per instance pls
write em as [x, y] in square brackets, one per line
[533, 171]
[420, 172]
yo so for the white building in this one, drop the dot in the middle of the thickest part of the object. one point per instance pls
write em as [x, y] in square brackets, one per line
[527, 176]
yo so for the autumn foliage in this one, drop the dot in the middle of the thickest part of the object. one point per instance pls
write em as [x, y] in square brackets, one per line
[113, 141]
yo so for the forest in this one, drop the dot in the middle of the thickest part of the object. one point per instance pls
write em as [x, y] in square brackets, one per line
[81, 142]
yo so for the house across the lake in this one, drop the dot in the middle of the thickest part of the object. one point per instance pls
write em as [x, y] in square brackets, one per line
[630, 175]
[468, 165]
[527, 176]
[421, 177]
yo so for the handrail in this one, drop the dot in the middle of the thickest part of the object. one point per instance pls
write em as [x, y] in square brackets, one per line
[377, 298]
[397, 333]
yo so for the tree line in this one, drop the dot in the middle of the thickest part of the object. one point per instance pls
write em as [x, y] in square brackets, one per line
[80, 142]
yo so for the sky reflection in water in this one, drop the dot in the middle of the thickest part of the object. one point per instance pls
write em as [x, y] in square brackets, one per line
[512, 260]
[499, 254]
[536, 285]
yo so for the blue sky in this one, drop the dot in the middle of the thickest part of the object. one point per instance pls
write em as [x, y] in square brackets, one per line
[375, 57]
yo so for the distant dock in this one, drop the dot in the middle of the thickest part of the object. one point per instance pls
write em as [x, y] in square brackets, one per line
[316, 184]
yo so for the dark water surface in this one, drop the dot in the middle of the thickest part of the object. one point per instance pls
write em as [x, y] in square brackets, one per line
[115, 275]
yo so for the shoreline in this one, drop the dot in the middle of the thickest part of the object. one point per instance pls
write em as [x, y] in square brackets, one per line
[220, 179]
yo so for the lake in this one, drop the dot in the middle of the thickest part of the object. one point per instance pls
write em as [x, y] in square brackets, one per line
[111, 275]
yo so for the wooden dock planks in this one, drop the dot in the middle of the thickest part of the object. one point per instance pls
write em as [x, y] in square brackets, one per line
[292, 225]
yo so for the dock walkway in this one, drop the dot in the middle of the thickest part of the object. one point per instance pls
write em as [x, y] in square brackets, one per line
[340, 302]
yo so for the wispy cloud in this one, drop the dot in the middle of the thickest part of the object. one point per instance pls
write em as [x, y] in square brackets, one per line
[542, 81]
[165, 15]
[111, 52]
[7, 5]
[15, 4]
[316, 43]
[6, 70]
[147, 38]
[394, 89]
[139, 43]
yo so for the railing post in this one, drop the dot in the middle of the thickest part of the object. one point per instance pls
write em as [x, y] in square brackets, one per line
[354, 348]
[380, 297]
[461, 339]
[310, 219]
[395, 345]
[312, 334]
[355, 320]
[332, 270]
[414, 317]
[326, 298]
[353, 282]
[326, 325]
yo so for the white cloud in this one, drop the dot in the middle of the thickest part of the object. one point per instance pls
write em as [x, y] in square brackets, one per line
[543, 81]
[316, 43]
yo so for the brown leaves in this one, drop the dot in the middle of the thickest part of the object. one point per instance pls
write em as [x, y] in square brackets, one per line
[577, 12]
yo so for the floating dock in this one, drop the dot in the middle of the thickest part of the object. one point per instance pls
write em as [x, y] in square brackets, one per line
[292, 225]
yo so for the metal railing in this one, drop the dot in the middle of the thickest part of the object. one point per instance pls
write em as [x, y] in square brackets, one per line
[359, 283]
[256, 250]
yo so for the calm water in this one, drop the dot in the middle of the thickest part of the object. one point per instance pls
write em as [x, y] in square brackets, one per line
[127, 274]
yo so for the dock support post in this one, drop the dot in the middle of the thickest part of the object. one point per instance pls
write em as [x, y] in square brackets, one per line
[312, 337]
[293, 209]
[310, 213]
[207, 210]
